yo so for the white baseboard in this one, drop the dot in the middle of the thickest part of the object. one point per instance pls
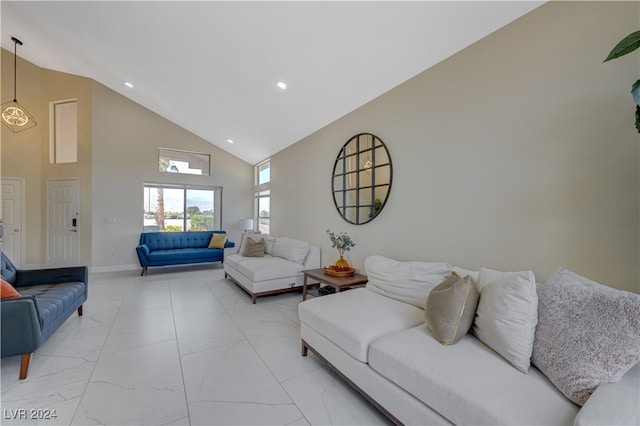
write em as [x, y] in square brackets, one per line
[114, 268]
[35, 266]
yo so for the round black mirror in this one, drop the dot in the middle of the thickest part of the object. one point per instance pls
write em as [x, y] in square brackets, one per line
[362, 176]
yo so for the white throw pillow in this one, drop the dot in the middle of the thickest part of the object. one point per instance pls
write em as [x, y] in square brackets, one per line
[270, 243]
[464, 272]
[290, 249]
[408, 282]
[507, 314]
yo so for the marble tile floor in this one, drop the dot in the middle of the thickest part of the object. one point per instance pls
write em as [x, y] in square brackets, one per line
[178, 346]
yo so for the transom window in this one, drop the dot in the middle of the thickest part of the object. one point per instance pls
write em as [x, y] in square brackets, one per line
[186, 162]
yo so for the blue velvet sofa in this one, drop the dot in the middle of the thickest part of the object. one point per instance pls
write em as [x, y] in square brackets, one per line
[178, 248]
[48, 297]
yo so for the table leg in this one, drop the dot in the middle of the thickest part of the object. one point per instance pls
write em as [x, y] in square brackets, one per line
[304, 288]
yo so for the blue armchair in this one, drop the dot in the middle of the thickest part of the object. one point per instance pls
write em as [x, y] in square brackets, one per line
[47, 298]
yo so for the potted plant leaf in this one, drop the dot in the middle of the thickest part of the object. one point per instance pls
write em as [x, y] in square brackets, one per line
[625, 46]
[343, 243]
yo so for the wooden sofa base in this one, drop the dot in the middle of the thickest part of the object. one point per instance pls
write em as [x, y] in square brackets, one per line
[306, 347]
[254, 296]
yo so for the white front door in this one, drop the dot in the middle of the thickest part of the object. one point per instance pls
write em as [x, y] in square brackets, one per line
[12, 215]
[63, 227]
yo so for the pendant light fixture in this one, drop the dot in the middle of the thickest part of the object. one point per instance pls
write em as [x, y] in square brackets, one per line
[14, 115]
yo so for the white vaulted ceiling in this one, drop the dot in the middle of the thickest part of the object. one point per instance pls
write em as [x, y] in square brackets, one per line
[212, 66]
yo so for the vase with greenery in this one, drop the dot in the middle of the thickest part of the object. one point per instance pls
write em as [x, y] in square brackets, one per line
[625, 46]
[343, 243]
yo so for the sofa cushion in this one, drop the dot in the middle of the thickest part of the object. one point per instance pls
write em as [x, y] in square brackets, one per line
[623, 395]
[218, 241]
[180, 254]
[268, 268]
[177, 240]
[463, 272]
[290, 249]
[577, 319]
[507, 314]
[8, 270]
[468, 383]
[233, 260]
[8, 290]
[408, 282]
[355, 318]
[271, 242]
[451, 308]
[55, 300]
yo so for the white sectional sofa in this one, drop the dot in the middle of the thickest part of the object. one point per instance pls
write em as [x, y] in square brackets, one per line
[380, 341]
[275, 269]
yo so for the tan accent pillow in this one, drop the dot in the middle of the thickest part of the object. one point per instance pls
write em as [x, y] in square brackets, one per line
[588, 334]
[252, 248]
[451, 308]
[218, 241]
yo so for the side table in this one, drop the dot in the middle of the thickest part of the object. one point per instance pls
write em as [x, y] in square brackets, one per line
[337, 283]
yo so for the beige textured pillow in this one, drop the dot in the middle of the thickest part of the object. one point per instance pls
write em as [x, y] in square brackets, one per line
[451, 308]
[218, 241]
[252, 248]
[587, 333]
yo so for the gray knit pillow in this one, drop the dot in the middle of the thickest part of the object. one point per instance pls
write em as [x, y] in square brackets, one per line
[587, 333]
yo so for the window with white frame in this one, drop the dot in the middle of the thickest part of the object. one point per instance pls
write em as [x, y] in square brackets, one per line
[169, 207]
[263, 196]
[185, 162]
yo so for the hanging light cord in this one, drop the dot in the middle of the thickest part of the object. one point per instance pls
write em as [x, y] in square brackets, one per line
[15, 66]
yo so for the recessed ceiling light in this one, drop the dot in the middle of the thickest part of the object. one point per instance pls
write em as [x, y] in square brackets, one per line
[229, 140]
[129, 85]
[282, 85]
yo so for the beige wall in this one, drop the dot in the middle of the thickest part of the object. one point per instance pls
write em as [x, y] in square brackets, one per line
[126, 138]
[117, 152]
[517, 153]
[26, 154]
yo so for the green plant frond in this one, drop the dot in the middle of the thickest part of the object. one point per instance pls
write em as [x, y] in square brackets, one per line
[625, 46]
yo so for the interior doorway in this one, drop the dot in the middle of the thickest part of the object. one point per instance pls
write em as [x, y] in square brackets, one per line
[63, 227]
[12, 216]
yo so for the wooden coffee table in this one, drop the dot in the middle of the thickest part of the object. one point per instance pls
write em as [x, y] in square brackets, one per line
[337, 283]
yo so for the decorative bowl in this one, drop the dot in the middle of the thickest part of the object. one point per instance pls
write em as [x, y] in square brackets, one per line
[339, 272]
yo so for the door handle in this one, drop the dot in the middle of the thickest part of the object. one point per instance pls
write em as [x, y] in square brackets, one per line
[73, 230]
[16, 230]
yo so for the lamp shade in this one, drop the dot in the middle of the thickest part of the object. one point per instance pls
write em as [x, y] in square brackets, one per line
[245, 224]
[15, 116]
